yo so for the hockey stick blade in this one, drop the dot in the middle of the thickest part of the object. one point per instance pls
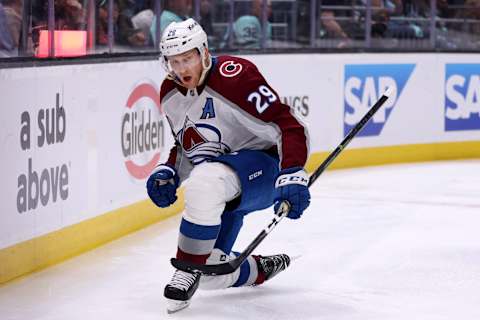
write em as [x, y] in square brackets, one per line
[207, 269]
[234, 264]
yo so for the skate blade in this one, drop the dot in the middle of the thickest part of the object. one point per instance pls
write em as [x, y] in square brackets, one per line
[176, 305]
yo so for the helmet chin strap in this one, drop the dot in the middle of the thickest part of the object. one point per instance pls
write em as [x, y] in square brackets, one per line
[206, 65]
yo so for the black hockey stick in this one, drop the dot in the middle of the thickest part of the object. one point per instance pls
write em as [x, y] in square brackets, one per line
[232, 265]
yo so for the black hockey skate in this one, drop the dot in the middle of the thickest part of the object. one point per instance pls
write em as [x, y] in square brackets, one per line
[270, 266]
[180, 289]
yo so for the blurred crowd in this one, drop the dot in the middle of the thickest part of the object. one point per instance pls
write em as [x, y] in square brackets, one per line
[395, 20]
[131, 25]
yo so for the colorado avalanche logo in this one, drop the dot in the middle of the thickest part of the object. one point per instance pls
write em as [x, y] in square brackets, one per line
[201, 141]
[230, 69]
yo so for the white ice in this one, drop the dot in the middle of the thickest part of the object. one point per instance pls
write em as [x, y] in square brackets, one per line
[390, 242]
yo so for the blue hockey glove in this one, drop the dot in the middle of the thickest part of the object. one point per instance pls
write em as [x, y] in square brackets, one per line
[292, 185]
[162, 186]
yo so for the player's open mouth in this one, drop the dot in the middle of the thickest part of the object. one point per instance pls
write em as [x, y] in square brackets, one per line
[187, 79]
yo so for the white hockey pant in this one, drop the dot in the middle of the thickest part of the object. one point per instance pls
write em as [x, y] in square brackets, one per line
[209, 187]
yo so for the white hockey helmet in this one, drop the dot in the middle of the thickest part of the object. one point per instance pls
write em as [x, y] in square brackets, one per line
[180, 37]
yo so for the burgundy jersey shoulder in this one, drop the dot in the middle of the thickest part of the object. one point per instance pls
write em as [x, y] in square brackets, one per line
[239, 81]
[230, 67]
[229, 75]
[167, 86]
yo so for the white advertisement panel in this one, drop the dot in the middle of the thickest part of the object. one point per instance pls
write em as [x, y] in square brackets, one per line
[436, 97]
[311, 85]
[413, 105]
[77, 142]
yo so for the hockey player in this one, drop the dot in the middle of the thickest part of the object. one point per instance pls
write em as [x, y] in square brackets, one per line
[238, 149]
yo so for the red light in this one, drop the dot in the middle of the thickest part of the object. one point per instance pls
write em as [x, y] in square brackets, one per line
[68, 43]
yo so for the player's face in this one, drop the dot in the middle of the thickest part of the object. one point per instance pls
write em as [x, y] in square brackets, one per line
[188, 67]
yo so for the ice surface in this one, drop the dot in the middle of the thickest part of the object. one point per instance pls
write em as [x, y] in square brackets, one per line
[391, 242]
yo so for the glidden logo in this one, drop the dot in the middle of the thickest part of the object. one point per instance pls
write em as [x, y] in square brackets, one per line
[142, 131]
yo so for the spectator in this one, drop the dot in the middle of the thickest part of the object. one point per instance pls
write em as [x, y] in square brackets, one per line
[383, 26]
[123, 31]
[13, 16]
[102, 22]
[473, 12]
[39, 18]
[471, 29]
[420, 9]
[343, 30]
[348, 24]
[381, 11]
[6, 42]
[331, 26]
[69, 15]
[303, 21]
[131, 34]
[175, 11]
[135, 14]
[206, 19]
[142, 20]
[248, 29]
[417, 9]
[140, 5]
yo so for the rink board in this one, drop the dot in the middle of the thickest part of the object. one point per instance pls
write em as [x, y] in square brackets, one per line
[75, 155]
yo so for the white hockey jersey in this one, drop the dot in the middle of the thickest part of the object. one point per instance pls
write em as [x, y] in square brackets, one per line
[234, 109]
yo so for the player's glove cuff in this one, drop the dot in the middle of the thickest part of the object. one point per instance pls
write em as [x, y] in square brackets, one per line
[292, 185]
[295, 175]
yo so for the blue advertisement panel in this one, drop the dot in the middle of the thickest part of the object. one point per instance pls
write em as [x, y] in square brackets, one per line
[462, 97]
[364, 84]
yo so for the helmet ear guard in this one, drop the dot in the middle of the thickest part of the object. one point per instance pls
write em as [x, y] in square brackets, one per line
[180, 37]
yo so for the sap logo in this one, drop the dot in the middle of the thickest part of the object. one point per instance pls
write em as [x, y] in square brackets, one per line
[255, 175]
[364, 84]
[462, 97]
